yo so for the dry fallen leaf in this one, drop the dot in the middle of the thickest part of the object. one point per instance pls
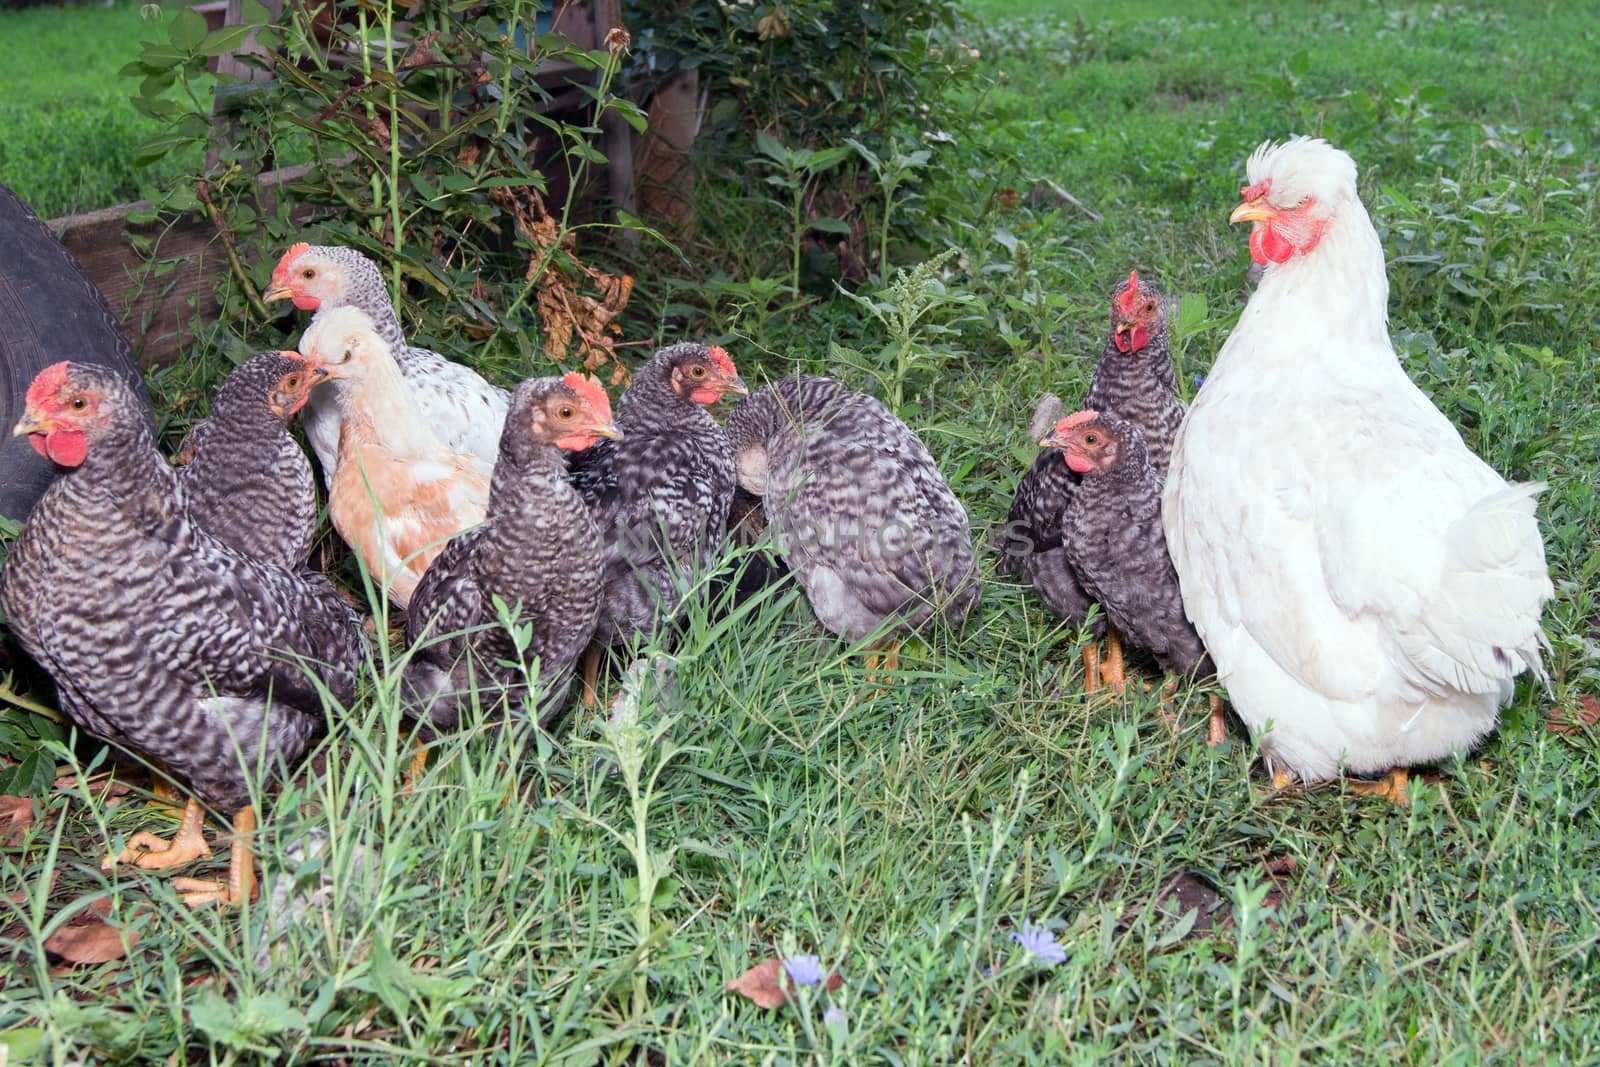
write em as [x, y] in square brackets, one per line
[90, 939]
[1571, 719]
[16, 815]
[18, 896]
[764, 983]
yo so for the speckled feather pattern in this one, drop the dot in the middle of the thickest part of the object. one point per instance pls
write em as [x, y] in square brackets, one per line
[247, 481]
[160, 637]
[1141, 387]
[1116, 547]
[539, 552]
[659, 496]
[465, 411]
[857, 506]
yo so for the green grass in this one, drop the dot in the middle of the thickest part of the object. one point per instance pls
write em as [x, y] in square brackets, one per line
[69, 128]
[903, 836]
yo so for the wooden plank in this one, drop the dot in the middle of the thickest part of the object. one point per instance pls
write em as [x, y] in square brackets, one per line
[156, 304]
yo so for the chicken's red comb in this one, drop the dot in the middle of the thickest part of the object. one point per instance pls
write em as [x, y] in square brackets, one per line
[1076, 419]
[723, 361]
[1128, 299]
[47, 383]
[592, 392]
[280, 273]
[1256, 191]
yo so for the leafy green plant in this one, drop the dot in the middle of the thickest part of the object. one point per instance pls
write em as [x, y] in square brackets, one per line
[429, 143]
[795, 172]
[893, 171]
[904, 309]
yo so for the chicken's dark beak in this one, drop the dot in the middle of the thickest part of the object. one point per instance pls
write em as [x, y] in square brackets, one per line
[1050, 440]
[606, 429]
[736, 385]
[1257, 210]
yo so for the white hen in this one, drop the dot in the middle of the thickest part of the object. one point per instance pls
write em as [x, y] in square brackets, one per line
[1367, 587]
[463, 410]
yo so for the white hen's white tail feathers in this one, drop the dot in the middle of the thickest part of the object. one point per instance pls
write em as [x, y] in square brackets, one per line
[1482, 626]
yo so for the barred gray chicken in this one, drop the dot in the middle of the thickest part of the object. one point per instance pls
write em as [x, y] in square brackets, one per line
[660, 495]
[245, 479]
[539, 552]
[856, 506]
[1115, 544]
[161, 638]
[1134, 378]
[465, 411]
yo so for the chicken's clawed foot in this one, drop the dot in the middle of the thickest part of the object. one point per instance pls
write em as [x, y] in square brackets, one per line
[152, 853]
[1391, 787]
[241, 882]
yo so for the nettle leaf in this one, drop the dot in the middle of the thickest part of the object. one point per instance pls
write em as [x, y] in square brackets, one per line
[187, 30]
[223, 41]
[771, 147]
[831, 226]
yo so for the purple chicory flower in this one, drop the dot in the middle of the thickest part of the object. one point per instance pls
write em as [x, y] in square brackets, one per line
[1040, 944]
[803, 970]
[835, 1018]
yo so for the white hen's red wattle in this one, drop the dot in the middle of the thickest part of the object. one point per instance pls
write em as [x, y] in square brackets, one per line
[1365, 584]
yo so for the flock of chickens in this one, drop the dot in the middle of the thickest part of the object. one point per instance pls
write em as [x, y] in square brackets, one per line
[1311, 531]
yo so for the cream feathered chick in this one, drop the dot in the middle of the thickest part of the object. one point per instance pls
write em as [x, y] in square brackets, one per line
[397, 494]
[1368, 587]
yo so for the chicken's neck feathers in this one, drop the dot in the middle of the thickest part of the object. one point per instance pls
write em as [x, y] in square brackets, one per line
[381, 412]
[1334, 298]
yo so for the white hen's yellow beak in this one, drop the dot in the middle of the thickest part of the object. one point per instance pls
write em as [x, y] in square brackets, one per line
[1257, 210]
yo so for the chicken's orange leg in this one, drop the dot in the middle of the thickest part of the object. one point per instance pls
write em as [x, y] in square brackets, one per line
[1391, 787]
[154, 853]
[1282, 779]
[1217, 731]
[1113, 673]
[1091, 666]
[241, 883]
[886, 660]
[591, 676]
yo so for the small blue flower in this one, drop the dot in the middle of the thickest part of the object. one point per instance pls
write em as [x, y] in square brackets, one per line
[803, 970]
[835, 1017]
[1199, 380]
[1040, 944]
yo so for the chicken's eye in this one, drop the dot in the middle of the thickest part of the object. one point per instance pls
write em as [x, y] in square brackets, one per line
[308, 273]
[79, 403]
[1150, 308]
[564, 412]
[291, 382]
[1091, 438]
[697, 371]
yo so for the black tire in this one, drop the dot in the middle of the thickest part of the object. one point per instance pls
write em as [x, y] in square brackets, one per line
[49, 311]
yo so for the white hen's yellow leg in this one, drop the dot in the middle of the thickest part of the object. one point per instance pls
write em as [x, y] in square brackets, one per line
[150, 852]
[241, 883]
[1217, 731]
[1391, 787]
